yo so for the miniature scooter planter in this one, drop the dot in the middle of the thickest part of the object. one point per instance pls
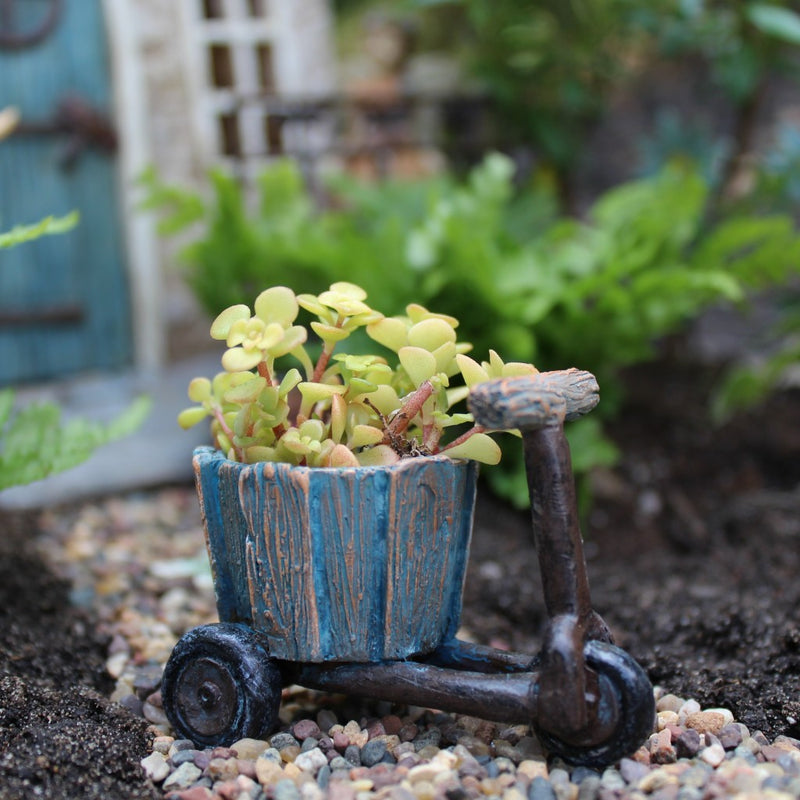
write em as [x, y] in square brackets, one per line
[360, 564]
[347, 603]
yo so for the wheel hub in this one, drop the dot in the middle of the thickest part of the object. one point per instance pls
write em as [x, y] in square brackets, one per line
[207, 698]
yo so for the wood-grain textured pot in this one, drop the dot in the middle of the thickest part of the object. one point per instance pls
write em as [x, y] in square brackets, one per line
[345, 564]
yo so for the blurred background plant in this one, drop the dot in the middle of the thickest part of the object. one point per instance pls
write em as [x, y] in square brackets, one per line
[597, 293]
[553, 266]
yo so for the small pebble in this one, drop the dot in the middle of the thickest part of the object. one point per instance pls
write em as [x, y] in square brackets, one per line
[696, 752]
[281, 740]
[155, 767]
[707, 721]
[688, 744]
[249, 749]
[306, 728]
[372, 752]
[632, 771]
[714, 755]
[730, 736]
[285, 790]
[541, 789]
[182, 756]
[589, 787]
[182, 778]
[311, 761]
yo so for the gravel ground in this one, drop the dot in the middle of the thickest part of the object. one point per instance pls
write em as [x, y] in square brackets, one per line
[138, 565]
[693, 551]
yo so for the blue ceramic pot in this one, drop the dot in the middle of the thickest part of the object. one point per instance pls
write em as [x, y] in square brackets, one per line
[344, 564]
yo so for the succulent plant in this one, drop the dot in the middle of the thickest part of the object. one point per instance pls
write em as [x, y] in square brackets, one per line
[341, 409]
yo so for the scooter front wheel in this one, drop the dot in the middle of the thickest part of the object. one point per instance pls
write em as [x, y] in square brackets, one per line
[626, 692]
[220, 685]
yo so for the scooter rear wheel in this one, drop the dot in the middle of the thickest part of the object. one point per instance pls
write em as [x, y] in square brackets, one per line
[626, 692]
[220, 685]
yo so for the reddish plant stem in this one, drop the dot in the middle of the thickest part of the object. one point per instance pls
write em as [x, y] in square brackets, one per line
[464, 436]
[229, 433]
[325, 356]
[410, 408]
[264, 372]
[322, 364]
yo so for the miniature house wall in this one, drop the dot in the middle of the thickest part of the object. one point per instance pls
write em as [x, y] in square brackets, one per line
[180, 71]
[178, 86]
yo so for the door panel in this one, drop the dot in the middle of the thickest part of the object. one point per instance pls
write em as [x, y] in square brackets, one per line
[63, 299]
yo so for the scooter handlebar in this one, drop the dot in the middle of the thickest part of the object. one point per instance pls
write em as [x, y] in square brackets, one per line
[534, 401]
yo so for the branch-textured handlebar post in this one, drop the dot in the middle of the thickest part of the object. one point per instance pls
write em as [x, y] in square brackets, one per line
[536, 401]
[538, 405]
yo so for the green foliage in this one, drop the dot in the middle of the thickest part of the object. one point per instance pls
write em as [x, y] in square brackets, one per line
[235, 252]
[345, 409]
[550, 65]
[779, 176]
[596, 294]
[745, 385]
[46, 227]
[35, 443]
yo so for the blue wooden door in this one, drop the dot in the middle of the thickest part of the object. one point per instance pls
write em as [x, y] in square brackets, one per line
[64, 303]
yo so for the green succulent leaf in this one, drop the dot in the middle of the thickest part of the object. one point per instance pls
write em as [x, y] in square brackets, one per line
[456, 395]
[471, 370]
[338, 417]
[221, 326]
[329, 333]
[247, 392]
[311, 303]
[391, 332]
[312, 429]
[277, 304]
[289, 382]
[359, 386]
[418, 363]
[517, 369]
[449, 420]
[346, 299]
[292, 339]
[314, 392]
[385, 399]
[199, 390]
[191, 416]
[364, 436]
[418, 313]
[342, 456]
[237, 359]
[431, 334]
[445, 356]
[479, 447]
[380, 455]
[258, 453]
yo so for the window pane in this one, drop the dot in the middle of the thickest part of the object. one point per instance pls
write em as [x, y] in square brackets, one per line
[273, 133]
[212, 9]
[257, 8]
[221, 66]
[229, 134]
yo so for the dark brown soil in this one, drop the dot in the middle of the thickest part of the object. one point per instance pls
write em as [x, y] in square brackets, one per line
[693, 552]
[59, 735]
